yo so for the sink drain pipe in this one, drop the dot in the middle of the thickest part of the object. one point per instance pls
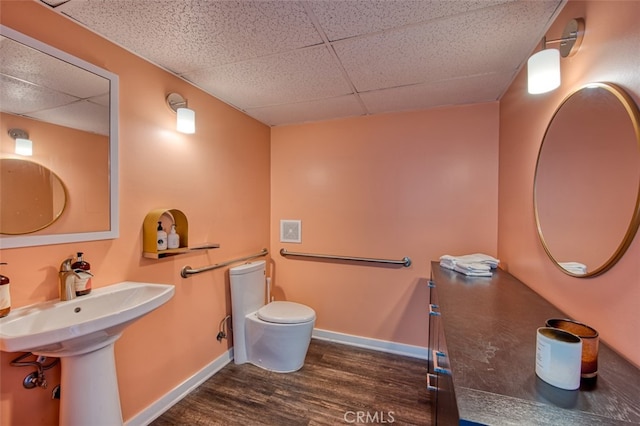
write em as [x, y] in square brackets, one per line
[222, 334]
[37, 377]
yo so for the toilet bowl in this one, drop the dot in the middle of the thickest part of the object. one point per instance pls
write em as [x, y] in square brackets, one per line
[273, 336]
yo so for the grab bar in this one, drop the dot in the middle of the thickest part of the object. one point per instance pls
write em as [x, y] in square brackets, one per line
[406, 262]
[187, 271]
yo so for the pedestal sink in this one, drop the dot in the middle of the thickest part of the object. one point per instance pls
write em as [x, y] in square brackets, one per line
[82, 332]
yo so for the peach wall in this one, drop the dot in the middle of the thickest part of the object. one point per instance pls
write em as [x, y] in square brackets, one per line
[218, 177]
[609, 53]
[419, 184]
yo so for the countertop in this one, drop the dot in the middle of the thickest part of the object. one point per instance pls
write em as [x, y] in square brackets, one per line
[490, 331]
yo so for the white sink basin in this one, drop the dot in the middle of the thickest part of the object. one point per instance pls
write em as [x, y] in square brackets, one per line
[82, 333]
[62, 326]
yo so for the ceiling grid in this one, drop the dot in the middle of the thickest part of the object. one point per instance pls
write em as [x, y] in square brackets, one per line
[285, 62]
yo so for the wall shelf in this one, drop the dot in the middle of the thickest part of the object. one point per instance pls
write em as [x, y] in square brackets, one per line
[168, 217]
[180, 250]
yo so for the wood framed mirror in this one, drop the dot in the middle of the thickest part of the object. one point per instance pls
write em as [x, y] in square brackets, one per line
[23, 212]
[587, 180]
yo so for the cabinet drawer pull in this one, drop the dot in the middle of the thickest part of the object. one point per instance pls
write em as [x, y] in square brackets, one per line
[432, 284]
[432, 310]
[430, 377]
[435, 354]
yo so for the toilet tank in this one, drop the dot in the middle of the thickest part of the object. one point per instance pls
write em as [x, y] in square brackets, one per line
[248, 287]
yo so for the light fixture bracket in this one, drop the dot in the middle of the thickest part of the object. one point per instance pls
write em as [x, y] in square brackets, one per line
[18, 134]
[571, 38]
[175, 101]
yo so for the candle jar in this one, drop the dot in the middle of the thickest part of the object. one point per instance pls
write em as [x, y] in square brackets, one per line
[590, 343]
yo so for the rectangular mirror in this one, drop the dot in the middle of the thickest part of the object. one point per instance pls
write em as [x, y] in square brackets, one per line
[69, 109]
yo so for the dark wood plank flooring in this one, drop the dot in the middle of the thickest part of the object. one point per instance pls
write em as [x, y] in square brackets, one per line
[339, 384]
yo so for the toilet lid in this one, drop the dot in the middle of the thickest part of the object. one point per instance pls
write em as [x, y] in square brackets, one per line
[286, 313]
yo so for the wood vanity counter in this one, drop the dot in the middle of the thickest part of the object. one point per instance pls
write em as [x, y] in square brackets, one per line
[485, 330]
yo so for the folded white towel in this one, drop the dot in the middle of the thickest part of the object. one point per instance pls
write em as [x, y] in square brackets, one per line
[473, 266]
[473, 271]
[448, 261]
[574, 267]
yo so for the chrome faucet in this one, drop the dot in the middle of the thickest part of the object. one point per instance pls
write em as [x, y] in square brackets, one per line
[67, 281]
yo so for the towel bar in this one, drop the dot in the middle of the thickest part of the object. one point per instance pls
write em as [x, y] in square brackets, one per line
[186, 272]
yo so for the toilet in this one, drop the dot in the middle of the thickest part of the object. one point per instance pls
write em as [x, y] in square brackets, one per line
[273, 336]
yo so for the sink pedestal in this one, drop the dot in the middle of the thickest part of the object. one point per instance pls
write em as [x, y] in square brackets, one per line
[82, 332]
[89, 387]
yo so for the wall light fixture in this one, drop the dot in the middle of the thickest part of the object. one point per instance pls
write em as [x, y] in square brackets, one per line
[543, 68]
[24, 146]
[186, 118]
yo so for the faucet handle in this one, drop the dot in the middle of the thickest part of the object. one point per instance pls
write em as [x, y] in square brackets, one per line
[66, 265]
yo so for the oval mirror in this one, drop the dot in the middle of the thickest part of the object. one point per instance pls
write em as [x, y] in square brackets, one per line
[587, 181]
[25, 211]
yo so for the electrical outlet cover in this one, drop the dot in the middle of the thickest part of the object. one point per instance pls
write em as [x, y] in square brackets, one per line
[290, 231]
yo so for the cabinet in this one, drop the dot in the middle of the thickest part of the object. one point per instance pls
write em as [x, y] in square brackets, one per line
[439, 378]
[482, 359]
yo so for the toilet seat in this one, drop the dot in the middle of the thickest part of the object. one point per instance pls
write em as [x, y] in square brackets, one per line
[286, 313]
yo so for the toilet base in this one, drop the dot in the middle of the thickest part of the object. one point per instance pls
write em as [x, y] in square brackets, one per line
[281, 348]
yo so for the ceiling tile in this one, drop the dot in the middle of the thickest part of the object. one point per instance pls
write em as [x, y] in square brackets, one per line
[290, 77]
[30, 65]
[343, 19]
[322, 109]
[483, 88]
[20, 97]
[101, 100]
[447, 48]
[183, 36]
[83, 115]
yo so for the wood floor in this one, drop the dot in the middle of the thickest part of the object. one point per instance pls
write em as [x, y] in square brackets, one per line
[339, 384]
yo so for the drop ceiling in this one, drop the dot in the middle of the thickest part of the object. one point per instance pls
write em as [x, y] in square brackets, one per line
[46, 89]
[285, 62]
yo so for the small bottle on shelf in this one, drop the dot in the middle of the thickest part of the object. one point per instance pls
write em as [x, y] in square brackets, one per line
[162, 238]
[173, 240]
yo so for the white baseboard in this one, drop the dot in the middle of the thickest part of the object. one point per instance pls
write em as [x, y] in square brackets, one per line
[156, 409]
[375, 344]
